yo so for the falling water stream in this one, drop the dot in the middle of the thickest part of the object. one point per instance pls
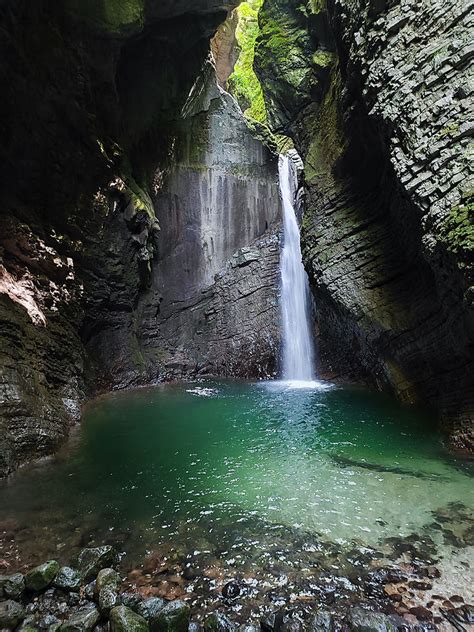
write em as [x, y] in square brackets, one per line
[298, 349]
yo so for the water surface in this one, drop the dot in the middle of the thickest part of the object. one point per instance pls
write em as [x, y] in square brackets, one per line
[258, 480]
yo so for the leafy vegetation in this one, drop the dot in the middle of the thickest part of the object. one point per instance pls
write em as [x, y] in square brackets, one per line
[243, 83]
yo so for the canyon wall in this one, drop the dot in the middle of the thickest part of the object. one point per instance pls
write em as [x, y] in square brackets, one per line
[376, 96]
[92, 110]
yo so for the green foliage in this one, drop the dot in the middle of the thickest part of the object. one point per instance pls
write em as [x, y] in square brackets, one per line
[243, 83]
[457, 230]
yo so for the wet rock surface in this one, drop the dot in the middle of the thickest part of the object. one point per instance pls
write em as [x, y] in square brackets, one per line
[382, 127]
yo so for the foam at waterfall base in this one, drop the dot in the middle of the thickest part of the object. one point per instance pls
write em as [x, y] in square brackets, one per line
[314, 385]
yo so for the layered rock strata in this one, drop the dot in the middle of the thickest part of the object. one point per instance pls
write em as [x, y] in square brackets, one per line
[378, 103]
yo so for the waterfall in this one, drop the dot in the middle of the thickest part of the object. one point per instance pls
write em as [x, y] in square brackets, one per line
[298, 350]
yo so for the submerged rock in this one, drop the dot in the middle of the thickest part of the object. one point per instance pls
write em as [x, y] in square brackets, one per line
[361, 620]
[123, 619]
[68, 579]
[41, 576]
[174, 617]
[231, 590]
[218, 622]
[11, 614]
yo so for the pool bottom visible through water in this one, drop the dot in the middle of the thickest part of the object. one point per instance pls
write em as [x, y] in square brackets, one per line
[298, 494]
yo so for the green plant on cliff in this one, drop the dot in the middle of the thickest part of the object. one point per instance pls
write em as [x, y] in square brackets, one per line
[243, 83]
[457, 229]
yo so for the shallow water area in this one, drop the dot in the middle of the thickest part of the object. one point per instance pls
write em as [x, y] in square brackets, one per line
[300, 491]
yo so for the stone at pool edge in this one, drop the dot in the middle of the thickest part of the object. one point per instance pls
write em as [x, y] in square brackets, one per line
[68, 579]
[107, 600]
[12, 585]
[12, 614]
[122, 619]
[174, 617]
[150, 608]
[217, 622]
[107, 578]
[82, 620]
[42, 576]
[361, 620]
[92, 560]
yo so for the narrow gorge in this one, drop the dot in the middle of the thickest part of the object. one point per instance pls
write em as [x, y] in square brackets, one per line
[236, 315]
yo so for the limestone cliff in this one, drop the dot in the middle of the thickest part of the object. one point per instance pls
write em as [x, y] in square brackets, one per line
[376, 96]
[212, 306]
[92, 109]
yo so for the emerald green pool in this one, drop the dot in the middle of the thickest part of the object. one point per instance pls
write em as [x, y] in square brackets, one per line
[258, 476]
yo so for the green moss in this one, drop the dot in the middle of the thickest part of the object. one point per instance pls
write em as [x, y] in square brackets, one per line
[317, 6]
[243, 83]
[323, 59]
[449, 130]
[114, 16]
[328, 140]
[457, 229]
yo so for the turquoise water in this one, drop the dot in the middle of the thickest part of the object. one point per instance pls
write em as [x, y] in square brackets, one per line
[241, 472]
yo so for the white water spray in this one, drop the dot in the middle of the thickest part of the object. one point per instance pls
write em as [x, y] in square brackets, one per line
[298, 349]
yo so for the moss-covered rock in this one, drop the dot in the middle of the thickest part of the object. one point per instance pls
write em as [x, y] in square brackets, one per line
[174, 617]
[122, 619]
[41, 576]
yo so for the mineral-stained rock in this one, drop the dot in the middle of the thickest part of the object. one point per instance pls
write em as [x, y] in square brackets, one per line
[41, 576]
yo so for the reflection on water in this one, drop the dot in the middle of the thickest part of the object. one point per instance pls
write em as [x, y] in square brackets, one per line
[262, 477]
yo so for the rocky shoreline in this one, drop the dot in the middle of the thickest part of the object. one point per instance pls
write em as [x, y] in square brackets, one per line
[91, 594]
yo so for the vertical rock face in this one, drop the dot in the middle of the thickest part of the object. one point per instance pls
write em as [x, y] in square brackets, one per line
[383, 127]
[213, 305]
[92, 94]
